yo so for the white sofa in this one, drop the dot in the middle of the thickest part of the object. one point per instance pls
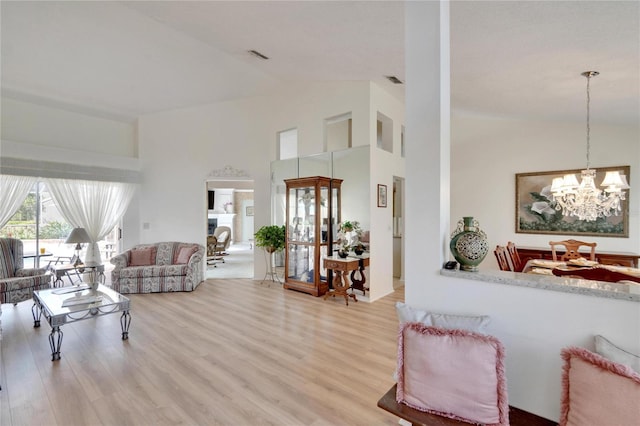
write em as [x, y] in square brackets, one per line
[160, 267]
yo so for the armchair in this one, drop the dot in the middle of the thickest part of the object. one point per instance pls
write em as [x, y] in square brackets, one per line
[16, 282]
[223, 236]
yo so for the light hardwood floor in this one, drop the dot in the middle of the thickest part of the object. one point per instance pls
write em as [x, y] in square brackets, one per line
[233, 352]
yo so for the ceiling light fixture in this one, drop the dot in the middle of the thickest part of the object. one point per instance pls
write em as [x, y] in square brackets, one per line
[258, 54]
[393, 79]
[583, 200]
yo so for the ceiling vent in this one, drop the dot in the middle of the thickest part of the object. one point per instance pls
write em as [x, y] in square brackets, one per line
[393, 79]
[258, 54]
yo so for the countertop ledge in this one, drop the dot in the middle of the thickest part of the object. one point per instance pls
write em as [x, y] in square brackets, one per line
[623, 291]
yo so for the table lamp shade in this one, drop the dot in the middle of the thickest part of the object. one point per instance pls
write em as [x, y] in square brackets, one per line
[78, 235]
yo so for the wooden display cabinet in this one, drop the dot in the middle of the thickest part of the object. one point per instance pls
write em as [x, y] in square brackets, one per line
[313, 215]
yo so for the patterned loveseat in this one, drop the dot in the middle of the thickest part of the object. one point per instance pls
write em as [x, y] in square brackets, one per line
[159, 267]
[16, 282]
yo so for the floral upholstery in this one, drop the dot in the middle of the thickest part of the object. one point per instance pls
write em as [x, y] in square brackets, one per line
[164, 275]
[17, 283]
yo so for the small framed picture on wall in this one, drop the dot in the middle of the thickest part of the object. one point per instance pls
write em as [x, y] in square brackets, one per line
[382, 195]
[249, 210]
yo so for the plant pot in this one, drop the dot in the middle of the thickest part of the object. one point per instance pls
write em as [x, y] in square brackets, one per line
[358, 251]
[343, 254]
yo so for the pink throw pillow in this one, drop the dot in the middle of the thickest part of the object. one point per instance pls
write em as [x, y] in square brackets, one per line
[453, 373]
[597, 391]
[184, 254]
[143, 257]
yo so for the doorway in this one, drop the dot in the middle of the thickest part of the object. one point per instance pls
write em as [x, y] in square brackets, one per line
[398, 228]
[229, 207]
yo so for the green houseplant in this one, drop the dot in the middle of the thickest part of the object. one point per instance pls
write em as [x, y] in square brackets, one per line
[271, 237]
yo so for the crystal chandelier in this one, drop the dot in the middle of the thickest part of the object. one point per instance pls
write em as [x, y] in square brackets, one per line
[583, 200]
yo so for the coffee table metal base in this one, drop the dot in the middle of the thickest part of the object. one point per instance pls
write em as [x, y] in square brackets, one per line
[46, 302]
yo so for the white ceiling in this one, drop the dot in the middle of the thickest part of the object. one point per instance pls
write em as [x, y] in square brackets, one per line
[125, 59]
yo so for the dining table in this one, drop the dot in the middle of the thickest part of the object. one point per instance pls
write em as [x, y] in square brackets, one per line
[582, 268]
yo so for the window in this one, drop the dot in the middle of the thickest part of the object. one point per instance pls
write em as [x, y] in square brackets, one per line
[337, 132]
[384, 133]
[288, 144]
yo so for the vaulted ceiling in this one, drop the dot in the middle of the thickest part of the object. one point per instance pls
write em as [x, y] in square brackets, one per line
[129, 58]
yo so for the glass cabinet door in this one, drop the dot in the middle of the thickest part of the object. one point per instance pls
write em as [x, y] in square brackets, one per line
[310, 229]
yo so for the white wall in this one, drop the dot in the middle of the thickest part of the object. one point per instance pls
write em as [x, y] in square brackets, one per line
[30, 123]
[384, 166]
[179, 148]
[518, 146]
[533, 324]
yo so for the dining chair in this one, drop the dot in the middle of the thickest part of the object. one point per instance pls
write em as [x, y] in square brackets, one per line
[502, 256]
[516, 262]
[571, 250]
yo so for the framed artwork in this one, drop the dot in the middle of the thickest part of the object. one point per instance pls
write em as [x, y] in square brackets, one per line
[249, 210]
[382, 195]
[536, 209]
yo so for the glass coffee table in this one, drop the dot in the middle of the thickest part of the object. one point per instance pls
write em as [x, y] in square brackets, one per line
[76, 303]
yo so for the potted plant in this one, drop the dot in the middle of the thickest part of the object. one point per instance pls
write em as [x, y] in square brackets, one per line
[349, 234]
[271, 237]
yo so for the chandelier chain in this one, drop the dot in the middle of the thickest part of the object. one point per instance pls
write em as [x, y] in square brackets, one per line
[588, 121]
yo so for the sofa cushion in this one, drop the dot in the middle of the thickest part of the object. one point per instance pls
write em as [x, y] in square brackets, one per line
[184, 253]
[477, 323]
[143, 256]
[153, 271]
[7, 264]
[166, 252]
[613, 353]
[597, 391]
[453, 373]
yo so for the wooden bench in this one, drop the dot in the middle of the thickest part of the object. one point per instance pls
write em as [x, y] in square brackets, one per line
[517, 417]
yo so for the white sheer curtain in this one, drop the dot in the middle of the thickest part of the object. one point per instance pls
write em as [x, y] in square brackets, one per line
[13, 191]
[93, 205]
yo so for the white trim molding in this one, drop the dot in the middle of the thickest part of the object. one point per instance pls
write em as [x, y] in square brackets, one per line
[229, 172]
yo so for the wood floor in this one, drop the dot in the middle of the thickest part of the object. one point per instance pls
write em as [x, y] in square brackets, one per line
[233, 352]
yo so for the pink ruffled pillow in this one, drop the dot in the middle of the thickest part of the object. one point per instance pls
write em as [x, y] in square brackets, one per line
[453, 373]
[184, 254]
[596, 391]
[143, 256]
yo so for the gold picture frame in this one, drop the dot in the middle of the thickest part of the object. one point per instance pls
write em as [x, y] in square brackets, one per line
[536, 212]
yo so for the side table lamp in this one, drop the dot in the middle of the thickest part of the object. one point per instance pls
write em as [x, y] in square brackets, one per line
[78, 236]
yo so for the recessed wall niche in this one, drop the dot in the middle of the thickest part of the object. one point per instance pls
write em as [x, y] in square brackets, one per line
[287, 145]
[384, 132]
[337, 132]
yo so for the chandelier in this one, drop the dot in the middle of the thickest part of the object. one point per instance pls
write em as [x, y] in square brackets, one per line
[583, 200]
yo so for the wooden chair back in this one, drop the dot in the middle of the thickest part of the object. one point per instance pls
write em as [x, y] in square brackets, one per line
[212, 241]
[502, 257]
[516, 262]
[571, 250]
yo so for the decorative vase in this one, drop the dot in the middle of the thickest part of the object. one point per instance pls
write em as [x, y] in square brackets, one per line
[358, 251]
[469, 244]
[343, 253]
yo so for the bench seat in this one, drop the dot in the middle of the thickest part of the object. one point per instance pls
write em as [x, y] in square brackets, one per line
[517, 417]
